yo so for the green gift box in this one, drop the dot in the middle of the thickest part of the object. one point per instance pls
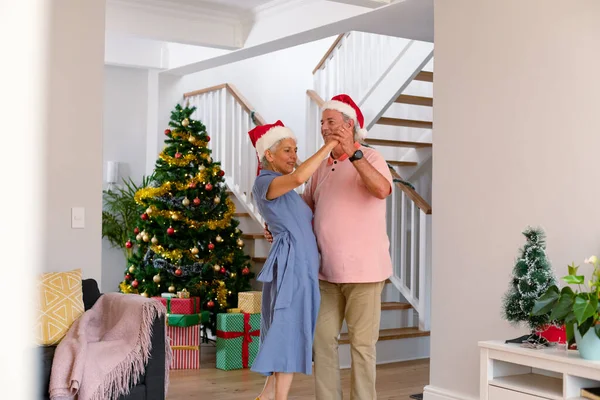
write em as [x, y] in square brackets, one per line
[238, 340]
[185, 320]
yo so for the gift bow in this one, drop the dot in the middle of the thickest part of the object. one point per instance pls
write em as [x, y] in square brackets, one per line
[247, 338]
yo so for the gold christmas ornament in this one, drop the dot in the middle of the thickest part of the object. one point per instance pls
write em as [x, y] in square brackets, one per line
[132, 269]
[217, 267]
[186, 202]
[144, 294]
[138, 237]
[192, 139]
[171, 289]
[240, 243]
[219, 239]
[209, 159]
[233, 274]
[217, 200]
[174, 217]
[194, 250]
[185, 122]
[201, 168]
[154, 240]
[156, 278]
[146, 238]
[149, 210]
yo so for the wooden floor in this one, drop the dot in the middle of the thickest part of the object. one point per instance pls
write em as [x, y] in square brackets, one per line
[394, 381]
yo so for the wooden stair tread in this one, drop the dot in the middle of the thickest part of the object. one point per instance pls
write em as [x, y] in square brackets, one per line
[396, 143]
[241, 214]
[409, 123]
[415, 100]
[425, 76]
[395, 305]
[392, 334]
[259, 259]
[403, 163]
[252, 235]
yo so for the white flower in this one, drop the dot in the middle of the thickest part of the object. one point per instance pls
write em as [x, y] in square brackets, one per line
[591, 260]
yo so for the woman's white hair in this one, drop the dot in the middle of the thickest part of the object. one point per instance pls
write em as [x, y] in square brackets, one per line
[264, 163]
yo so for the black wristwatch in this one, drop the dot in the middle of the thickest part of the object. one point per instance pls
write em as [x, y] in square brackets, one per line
[358, 154]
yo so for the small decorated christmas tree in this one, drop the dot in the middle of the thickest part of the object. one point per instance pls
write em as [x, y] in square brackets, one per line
[531, 277]
[186, 236]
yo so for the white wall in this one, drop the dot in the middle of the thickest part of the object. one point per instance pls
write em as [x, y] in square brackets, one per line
[516, 143]
[125, 111]
[73, 162]
[275, 84]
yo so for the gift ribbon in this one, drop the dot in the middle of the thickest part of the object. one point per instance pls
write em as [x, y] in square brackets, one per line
[247, 338]
[185, 347]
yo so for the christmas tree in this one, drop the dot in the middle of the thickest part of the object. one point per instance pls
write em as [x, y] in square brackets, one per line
[531, 277]
[186, 237]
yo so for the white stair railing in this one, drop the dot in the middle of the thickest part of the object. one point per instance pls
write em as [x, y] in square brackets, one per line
[409, 230]
[355, 62]
[228, 117]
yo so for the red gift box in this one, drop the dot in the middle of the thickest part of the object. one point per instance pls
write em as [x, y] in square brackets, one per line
[185, 344]
[181, 306]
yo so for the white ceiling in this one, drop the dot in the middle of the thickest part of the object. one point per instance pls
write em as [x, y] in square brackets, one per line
[223, 4]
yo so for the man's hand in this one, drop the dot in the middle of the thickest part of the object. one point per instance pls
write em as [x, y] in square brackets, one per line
[345, 135]
[268, 235]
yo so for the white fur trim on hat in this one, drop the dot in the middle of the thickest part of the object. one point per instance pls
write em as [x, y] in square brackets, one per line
[273, 136]
[349, 111]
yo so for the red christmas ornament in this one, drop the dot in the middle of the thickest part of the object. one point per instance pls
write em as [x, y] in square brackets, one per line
[208, 138]
[192, 185]
[144, 216]
[167, 132]
[178, 155]
[245, 271]
[135, 283]
[208, 187]
[129, 244]
[136, 230]
[170, 231]
[211, 246]
[127, 277]
[223, 270]
[197, 201]
[221, 173]
[178, 272]
[210, 304]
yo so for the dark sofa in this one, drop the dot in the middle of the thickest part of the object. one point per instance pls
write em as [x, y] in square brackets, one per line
[152, 383]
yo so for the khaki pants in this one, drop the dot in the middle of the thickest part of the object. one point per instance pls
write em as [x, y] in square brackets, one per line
[360, 305]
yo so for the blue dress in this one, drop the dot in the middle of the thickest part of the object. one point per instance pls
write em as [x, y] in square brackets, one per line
[290, 298]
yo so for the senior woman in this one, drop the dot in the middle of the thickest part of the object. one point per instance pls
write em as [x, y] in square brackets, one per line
[291, 298]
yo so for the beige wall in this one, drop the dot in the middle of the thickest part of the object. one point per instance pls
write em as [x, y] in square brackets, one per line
[516, 142]
[73, 166]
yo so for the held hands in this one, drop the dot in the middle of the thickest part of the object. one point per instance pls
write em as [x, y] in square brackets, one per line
[345, 135]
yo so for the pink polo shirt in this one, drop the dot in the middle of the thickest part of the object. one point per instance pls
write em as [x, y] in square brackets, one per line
[349, 222]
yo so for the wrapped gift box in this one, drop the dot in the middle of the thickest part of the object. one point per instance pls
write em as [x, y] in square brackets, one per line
[238, 340]
[250, 302]
[185, 320]
[181, 306]
[185, 344]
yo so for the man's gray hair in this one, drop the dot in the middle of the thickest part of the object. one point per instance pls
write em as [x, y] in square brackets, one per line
[356, 128]
[264, 163]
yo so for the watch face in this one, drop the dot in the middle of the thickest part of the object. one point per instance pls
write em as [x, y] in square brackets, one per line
[358, 154]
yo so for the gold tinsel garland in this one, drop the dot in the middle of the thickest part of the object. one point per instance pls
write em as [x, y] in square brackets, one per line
[173, 255]
[127, 288]
[212, 224]
[177, 134]
[221, 290]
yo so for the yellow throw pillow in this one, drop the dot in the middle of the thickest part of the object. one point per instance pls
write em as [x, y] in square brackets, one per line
[60, 303]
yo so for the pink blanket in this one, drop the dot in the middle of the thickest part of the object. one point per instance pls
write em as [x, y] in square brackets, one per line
[106, 350]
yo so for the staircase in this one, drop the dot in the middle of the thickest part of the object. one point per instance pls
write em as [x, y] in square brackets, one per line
[394, 90]
[391, 79]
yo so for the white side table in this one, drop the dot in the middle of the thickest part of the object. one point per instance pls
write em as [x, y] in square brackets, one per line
[512, 372]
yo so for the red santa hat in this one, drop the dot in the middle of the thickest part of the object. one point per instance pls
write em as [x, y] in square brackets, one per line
[344, 104]
[265, 136]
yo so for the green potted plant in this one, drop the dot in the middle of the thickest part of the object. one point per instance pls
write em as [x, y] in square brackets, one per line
[120, 213]
[577, 309]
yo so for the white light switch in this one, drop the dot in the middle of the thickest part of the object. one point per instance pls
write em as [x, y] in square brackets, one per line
[77, 217]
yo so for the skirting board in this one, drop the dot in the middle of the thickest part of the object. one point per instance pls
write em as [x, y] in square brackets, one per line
[434, 393]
